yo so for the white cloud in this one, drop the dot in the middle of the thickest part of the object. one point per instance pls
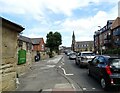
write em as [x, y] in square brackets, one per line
[84, 27]
[36, 7]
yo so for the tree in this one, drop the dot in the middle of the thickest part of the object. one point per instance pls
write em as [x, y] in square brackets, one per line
[53, 41]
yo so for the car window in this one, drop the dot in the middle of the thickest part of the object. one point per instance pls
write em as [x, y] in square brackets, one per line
[101, 60]
[88, 54]
[95, 60]
[115, 62]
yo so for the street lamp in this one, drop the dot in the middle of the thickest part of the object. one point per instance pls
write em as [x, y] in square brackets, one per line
[100, 41]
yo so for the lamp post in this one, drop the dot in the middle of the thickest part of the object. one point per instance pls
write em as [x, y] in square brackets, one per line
[100, 41]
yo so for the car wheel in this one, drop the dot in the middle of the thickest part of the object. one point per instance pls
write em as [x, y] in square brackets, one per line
[80, 65]
[89, 73]
[76, 62]
[103, 83]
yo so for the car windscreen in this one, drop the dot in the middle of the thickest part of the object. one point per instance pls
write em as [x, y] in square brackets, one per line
[88, 54]
[115, 62]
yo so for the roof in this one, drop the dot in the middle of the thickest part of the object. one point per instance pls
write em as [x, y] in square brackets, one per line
[116, 23]
[11, 25]
[25, 39]
[83, 42]
[36, 40]
[86, 52]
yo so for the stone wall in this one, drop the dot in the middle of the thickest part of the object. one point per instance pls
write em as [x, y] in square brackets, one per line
[43, 55]
[21, 69]
[0, 56]
[9, 59]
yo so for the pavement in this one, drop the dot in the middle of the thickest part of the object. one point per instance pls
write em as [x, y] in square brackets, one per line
[43, 76]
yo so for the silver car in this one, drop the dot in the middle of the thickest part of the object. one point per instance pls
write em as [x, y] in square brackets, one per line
[72, 56]
[83, 58]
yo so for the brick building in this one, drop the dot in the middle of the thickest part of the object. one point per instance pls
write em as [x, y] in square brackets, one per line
[108, 37]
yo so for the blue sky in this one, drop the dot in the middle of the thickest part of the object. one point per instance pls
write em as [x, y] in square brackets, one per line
[38, 17]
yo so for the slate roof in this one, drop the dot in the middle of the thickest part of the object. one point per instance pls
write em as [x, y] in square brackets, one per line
[116, 23]
[84, 42]
[36, 40]
[25, 39]
[11, 24]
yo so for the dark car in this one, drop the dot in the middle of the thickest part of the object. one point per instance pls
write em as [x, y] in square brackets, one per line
[106, 69]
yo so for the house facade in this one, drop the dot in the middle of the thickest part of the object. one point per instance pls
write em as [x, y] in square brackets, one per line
[102, 37]
[39, 46]
[108, 37]
[116, 33]
[8, 72]
[24, 43]
[84, 46]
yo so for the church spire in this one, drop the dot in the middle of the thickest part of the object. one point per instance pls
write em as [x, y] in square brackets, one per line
[73, 42]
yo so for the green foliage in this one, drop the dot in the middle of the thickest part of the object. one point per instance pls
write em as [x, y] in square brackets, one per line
[112, 51]
[53, 41]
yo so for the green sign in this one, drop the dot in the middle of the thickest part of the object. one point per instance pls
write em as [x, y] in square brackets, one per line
[21, 57]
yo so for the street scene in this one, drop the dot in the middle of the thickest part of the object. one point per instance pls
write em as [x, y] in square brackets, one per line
[60, 46]
[59, 74]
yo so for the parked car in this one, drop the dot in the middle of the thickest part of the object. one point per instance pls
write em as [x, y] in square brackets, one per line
[69, 52]
[106, 69]
[83, 58]
[72, 56]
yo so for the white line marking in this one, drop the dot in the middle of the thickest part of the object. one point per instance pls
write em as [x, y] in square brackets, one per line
[93, 88]
[84, 89]
[59, 66]
[66, 73]
[63, 63]
[73, 86]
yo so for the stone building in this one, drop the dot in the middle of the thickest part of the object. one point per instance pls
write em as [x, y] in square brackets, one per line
[9, 32]
[84, 46]
[25, 43]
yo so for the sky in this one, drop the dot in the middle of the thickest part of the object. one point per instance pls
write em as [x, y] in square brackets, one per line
[39, 17]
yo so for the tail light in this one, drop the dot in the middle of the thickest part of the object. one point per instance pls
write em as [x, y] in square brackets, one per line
[108, 70]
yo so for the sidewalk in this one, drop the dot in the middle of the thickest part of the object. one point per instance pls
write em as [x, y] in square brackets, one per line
[43, 76]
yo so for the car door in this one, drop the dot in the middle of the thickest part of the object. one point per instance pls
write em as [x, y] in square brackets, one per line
[93, 66]
[99, 65]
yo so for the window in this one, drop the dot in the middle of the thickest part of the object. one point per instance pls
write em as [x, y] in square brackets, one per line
[101, 59]
[20, 43]
[115, 62]
[95, 60]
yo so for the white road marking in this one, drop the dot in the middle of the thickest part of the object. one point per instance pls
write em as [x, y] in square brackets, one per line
[59, 66]
[47, 67]
[63, 63]
[93, 88]
[73, 86]
[84, 89]
[66, 73]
